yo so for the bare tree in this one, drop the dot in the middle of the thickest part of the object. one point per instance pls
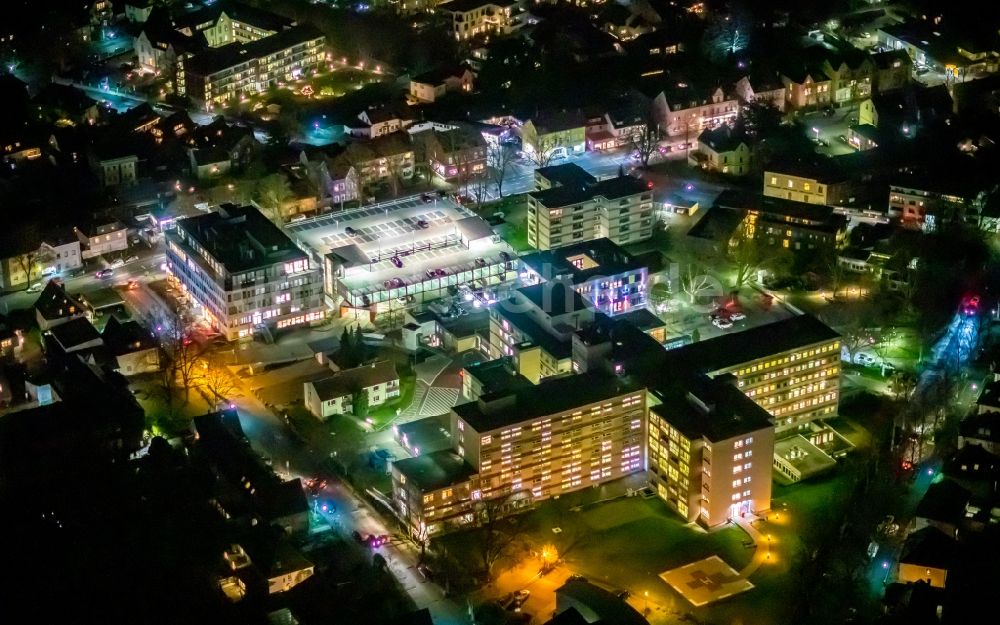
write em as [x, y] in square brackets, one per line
[645, 142]
[696, 282]
[183, 358]
[749, 257]
[218, 380]
[499, 158]
[271, 194]
[498, 532]
[545, 150]
[30, 261]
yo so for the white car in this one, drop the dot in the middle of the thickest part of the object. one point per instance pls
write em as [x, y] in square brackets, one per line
[118, 262]
[722, 324]
[35, 288]
[737, 316]
[864, 359]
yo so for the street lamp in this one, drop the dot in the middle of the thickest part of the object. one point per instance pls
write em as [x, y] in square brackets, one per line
[816, 130]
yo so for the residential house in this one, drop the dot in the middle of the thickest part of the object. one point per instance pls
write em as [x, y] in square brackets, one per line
[158, 46]
[60, 252]
[334, 395]
[807, 87]
[102, 236]
[137, 11]
[983, 428]
[902, 112]
[54, 307]
[893, 70]
[943, 507]
[65, 105]
[723, 150]
[481, 18]
[928, 556]
[10, 340]
[76, 335]
[219, 149]
[851, 77]
[761, 88]
[433, 85]
[554, 136]
[337, 178]
[134, 348]
[660, 42]
[380, 121]
[626, 22]
[379, 161]
[927, 199]
[455, 154]
[681, 109]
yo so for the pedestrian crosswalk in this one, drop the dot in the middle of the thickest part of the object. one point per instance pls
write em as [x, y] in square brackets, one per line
[439, 400]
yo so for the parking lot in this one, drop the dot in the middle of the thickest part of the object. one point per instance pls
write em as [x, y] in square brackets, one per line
[750, 310]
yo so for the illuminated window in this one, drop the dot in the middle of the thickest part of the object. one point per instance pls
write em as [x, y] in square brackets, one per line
[486, 440]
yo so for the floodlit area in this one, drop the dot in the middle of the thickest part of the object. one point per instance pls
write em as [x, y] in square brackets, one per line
[706, 581]
[390, 254]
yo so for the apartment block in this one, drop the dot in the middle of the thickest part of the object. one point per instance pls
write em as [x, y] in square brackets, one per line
[710, 452]
[820, 182]
[535, 328]
[620, 209]
[789, 368]
[243, 272]
[787, 224]
[683, 110]
[603, 273]
[221, 74]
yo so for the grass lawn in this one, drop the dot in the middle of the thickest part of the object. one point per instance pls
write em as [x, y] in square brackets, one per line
[387, 411]
[517, 237]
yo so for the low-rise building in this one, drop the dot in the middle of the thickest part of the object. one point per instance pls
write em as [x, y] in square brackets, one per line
[220, 149]
[334, 395]
[455, 154]
[764, 89]
[786, 223]
[244, 273]
[54, 307]
[928, 556]
[481, 18]
[134, 347]
[619, 128]
[723, 150]
[983, 428]
[379, 121]
[556, 135]
[710, 451]
[620, 209]
[683, 110]
[102, 237]
[813, 182]
[603, 273]
[433, 85]
[386, 159]
[75, 335]
[893, 70]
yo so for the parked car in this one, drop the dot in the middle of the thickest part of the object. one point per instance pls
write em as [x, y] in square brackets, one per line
[117, 263]
[423, 224]
[350, 231]
[131, 259]
[395, 261]
[480, 261]
[105, 273]
[722, 324]
[505, 256]
[863, 359]
[36, 287]
[737, 316]
[427, 198]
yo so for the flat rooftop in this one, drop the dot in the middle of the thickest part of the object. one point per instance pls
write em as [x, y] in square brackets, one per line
[729, 412]
[497, 376]
[609, 189]
[385, 230]
[426, 435]
[548, 398]
[807, 458]
[733, 349]
[240, 238]
[435, 471]
[582, 261]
